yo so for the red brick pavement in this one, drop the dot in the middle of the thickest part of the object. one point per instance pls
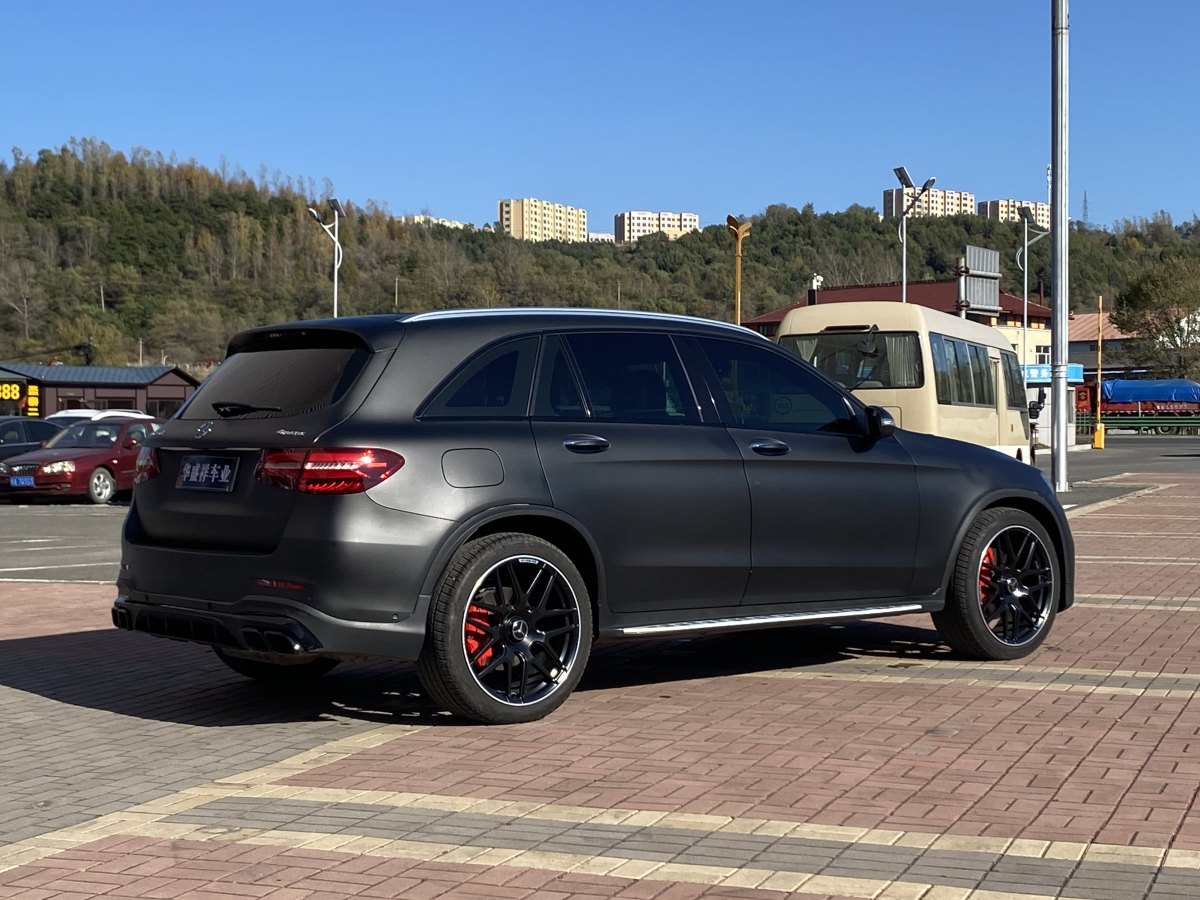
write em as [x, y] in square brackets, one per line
[34, 609]
[929, 755]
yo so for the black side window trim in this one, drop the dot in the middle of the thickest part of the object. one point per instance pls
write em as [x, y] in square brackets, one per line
[550, 342]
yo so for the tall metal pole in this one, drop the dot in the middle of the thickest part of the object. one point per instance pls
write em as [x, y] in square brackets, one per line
[904, 257]
[1060, 299]
[1025, 297]
[337, 259]
[338, 212]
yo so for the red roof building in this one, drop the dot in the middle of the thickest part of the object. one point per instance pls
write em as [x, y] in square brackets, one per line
[941, 295]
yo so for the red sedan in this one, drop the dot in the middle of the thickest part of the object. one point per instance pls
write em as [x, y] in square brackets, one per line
[94, 459]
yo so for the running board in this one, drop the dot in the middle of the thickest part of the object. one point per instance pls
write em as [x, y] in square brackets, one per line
[746, 622]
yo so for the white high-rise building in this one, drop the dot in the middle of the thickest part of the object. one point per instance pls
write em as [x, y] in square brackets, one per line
[634, 224]
[529, 219]
[1010, 211]
[934, 202]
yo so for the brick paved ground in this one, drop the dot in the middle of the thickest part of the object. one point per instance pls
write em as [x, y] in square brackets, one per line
[860, 760]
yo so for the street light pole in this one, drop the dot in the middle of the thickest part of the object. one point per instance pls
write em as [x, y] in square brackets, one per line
[739, 230]
[906, 182]
[338, 212]
[1059, 258]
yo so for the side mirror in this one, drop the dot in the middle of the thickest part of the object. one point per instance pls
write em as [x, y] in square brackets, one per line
[130, 443]
[1036, 406]
[880, 423]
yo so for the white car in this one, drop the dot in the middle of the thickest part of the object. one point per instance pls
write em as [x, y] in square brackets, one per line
[68, 416]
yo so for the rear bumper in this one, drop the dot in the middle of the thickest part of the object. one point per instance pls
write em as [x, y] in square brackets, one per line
[345, 580]
[271, 625]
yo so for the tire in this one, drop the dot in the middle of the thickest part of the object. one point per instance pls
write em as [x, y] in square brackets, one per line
[101, 486]
[1168, 429]
[279, 674]
[509, 632]
[1004, 590]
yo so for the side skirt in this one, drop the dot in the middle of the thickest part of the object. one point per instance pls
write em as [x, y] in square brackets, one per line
[773, 620]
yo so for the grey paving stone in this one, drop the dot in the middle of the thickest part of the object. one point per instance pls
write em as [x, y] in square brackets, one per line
[1022, 885]
[1093, 891]
[626, 853]
[792, 862]
[863, 870]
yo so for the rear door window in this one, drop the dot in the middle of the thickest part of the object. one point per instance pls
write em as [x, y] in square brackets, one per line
[634, 377]
[557, 395]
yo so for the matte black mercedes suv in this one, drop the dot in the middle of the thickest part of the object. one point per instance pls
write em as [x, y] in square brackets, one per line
[488, 492]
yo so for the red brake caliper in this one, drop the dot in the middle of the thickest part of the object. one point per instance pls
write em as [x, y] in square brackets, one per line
[476, 634]
[986, 570]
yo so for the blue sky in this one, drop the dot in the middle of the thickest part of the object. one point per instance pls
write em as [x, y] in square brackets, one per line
[712, 107]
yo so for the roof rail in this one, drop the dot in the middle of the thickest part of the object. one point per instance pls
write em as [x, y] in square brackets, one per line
[436, 315]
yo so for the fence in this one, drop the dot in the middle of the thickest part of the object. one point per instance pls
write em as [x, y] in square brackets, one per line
[1085, 424]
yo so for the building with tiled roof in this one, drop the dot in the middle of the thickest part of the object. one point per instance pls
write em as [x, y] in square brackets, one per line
[1087, 334]
[41, 390]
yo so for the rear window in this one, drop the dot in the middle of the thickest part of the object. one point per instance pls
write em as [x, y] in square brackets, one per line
[289, 381]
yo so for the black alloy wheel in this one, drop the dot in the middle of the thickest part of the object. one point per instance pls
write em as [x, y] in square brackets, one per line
[1005, 588]
[510, 631]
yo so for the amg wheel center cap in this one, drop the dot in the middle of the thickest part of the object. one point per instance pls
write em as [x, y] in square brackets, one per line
[1011, 584]
[519, 629]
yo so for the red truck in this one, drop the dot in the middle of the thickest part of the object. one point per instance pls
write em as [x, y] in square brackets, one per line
[1160, 405]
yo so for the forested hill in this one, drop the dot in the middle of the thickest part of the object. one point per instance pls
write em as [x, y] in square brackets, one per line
[109, 249]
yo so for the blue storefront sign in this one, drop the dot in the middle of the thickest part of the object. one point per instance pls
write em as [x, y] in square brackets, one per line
[1040, 373]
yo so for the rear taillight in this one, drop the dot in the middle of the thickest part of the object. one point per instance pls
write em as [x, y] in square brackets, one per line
[147, 465]
[332, 470]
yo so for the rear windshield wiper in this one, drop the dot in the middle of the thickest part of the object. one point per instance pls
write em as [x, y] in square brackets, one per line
[227, 408]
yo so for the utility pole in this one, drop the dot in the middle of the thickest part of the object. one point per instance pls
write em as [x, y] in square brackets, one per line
[1098, 431]
[1059, 291]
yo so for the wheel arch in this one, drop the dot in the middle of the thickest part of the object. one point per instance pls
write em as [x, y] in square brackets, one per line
[1045, 517]
[550, 525]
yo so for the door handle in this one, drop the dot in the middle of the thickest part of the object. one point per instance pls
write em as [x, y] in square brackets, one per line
[585, 443]
[769, 447]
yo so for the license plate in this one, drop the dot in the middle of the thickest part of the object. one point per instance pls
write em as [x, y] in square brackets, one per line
[20, 480]
[207, 473]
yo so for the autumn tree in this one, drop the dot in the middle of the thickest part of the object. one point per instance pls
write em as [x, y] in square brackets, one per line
[1161, 309]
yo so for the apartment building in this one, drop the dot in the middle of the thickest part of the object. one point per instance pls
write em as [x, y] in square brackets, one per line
[529, 219]
[634, 224]
[1010, 211]
[934, 202]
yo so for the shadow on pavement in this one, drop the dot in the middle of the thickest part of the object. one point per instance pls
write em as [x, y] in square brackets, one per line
[157, 679]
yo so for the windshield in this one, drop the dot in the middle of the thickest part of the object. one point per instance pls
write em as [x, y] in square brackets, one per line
[862, 358]
[91, 435]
